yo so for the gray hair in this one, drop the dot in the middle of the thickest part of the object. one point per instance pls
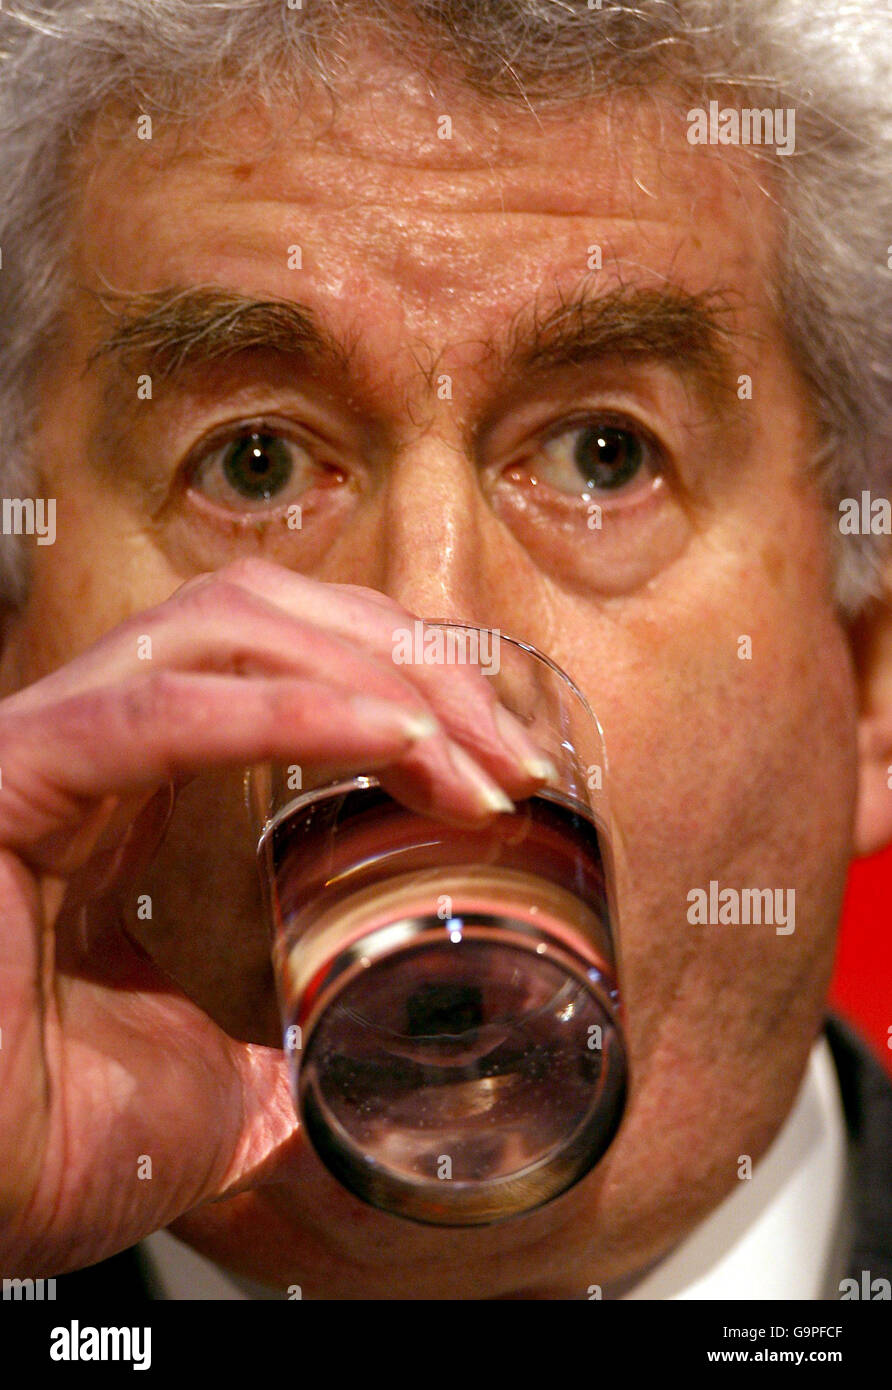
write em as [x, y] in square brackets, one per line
[63, 62]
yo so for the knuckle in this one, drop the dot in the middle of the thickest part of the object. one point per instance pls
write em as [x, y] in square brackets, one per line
[467, 683]
[249, 570]
[153, 699]
[379, 599]
[382, 600]
[224, 597]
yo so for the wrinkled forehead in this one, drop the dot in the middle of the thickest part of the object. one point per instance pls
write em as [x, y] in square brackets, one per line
[440, 224]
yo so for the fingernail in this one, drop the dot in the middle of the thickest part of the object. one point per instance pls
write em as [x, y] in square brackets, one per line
[489, 795]
[381, 714]
[521, 747]
[421, 726]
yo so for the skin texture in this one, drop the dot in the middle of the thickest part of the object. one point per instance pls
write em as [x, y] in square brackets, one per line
[415, 249]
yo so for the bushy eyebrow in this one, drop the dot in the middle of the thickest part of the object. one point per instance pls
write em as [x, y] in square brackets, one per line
[167, 331]
[688, 331]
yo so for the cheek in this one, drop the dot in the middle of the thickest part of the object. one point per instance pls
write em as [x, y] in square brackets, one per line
[101, 569]
[733, 761]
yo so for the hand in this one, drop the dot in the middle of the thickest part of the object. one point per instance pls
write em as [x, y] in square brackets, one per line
[104, 1062]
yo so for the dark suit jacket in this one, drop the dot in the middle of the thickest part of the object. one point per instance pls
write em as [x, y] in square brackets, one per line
[867, 1100]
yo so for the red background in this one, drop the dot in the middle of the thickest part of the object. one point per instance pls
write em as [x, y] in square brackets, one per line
[862, 982]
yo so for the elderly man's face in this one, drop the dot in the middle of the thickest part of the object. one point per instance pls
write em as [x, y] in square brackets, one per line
[446, 463]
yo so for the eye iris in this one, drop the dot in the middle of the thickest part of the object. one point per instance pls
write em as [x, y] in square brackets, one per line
[257, 466]
[608, 457]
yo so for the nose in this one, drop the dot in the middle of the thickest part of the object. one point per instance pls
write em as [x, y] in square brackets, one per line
[442, 552]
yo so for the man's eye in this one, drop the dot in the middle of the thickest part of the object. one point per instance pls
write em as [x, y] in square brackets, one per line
[595, 457]
[258, 466]
[258, 469]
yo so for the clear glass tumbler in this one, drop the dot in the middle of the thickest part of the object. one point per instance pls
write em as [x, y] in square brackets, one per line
[450, 997]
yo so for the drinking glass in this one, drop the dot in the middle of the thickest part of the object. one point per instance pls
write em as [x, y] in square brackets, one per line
[450, 997]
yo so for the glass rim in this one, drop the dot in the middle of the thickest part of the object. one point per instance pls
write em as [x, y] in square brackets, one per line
[262, 821]
[531, 650]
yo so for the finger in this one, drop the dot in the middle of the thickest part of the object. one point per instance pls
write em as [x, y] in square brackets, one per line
[460, 695]
[22, 976]
[169, 726]
[224, 628]
[216, 624]
[210, 1112]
